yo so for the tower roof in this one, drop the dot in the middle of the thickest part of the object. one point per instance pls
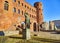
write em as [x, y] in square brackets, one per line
[38, 3]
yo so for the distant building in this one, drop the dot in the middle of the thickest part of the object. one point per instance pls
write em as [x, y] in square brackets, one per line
[12, 14]
[51, 25]
[45, 26]
[57, 23]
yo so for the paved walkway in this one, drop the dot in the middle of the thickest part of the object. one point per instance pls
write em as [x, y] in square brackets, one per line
[50, 35]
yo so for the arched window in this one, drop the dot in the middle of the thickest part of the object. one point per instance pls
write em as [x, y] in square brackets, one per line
[22, 12]
[6, 5]
[14, 9]
[18, 2]
[14, 0]
[18, 11]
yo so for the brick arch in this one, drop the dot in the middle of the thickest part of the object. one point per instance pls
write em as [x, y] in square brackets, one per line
[34, 26]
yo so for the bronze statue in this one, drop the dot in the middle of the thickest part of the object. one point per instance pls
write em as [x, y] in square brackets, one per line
[27, 21]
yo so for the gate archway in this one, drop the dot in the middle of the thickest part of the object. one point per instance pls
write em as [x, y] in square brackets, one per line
[34, 27]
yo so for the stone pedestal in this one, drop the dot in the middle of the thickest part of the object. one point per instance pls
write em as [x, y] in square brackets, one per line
[26, 34]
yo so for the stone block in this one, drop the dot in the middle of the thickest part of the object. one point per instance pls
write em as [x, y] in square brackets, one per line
[8, 33]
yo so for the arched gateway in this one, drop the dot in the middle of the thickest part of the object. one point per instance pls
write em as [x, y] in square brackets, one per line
[34, 27]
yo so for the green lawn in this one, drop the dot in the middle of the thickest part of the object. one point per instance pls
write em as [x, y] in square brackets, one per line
[34, 39]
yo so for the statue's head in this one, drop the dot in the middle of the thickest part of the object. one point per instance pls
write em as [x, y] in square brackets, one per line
[26, 14]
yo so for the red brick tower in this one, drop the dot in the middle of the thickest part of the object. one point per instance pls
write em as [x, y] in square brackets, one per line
[38, 6]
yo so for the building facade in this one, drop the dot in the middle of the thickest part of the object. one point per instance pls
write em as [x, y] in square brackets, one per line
[51, 25]
[45, 26]
[57, 24]
[12, 14]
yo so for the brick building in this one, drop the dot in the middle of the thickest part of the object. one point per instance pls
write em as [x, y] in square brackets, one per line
[12, 14]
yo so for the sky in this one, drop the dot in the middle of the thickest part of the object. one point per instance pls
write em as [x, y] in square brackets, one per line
[51, 9]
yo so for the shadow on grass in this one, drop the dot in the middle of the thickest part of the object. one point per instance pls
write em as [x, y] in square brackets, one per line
[16, 37]
[46, 40]
[55, 33]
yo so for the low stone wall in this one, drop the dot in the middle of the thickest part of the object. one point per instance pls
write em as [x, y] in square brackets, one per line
[8, 33]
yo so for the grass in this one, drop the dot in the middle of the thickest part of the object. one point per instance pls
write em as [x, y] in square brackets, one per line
[34, 39]
[3, 39]
[47, 40]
